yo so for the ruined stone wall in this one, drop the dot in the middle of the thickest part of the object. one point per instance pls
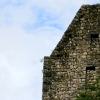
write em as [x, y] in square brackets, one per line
[69, 65]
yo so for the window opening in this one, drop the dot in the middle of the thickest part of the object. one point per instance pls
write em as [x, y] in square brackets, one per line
[94, 35]
[89, 69]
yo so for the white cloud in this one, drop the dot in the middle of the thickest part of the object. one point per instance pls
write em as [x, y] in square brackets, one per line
[20, 54]
[18, 15]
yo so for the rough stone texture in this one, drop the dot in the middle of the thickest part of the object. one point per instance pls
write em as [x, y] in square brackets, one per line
[69, 65]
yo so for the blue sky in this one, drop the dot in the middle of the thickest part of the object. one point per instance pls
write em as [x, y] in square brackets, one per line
[30, 30]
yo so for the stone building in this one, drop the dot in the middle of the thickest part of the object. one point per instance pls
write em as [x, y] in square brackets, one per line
[76, 58]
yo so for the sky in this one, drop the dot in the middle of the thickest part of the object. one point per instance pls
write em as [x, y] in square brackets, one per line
[30, 30]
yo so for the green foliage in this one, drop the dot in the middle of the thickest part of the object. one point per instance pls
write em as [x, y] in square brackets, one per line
[41, 60]
[92, 91]
[42, 71]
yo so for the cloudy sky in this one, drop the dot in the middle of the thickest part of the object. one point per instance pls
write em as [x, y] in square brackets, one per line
[30, 30]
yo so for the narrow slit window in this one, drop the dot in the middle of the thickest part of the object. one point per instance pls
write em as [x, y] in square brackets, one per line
[94, 35]
[90, 68]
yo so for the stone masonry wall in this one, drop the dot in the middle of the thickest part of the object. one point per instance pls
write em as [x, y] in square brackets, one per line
[69, 65]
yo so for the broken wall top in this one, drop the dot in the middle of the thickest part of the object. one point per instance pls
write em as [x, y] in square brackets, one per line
[88, 14]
